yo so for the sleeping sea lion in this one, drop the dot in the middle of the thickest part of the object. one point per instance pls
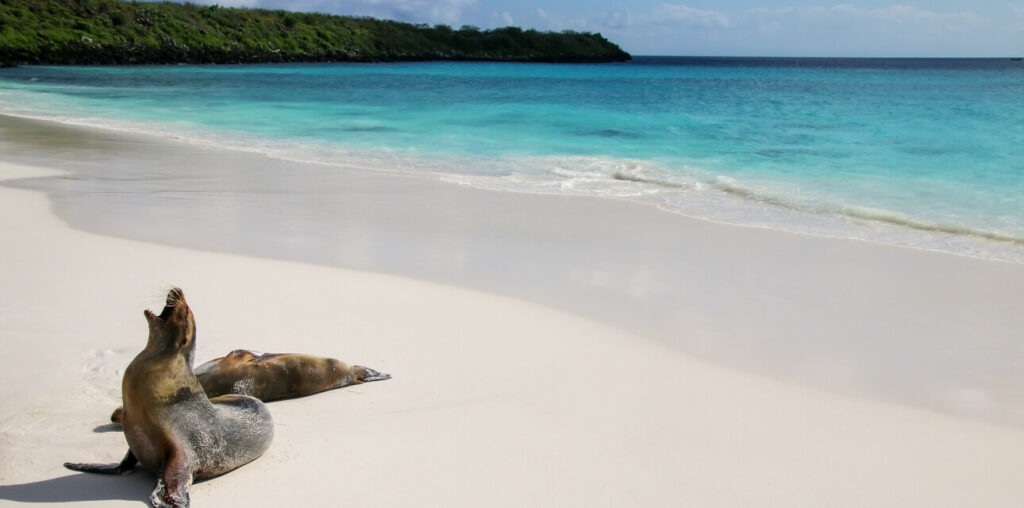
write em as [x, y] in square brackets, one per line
[276, 376]
[172, 428]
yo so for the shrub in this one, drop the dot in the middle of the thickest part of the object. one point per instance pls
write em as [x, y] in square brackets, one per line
[169, 32]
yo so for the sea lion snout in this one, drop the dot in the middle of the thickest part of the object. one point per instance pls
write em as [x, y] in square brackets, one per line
[175, 327]
[366, 374]
[174, 295]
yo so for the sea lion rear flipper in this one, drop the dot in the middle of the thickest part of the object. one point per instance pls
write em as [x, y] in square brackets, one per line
[126, 466]
[366, 374]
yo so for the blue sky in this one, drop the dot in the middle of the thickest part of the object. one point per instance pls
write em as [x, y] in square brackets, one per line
[737, 28]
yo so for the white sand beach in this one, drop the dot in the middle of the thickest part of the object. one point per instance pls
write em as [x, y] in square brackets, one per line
[500, 400]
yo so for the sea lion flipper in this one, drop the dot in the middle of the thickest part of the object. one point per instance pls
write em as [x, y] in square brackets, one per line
[232, 399]
[163, 497]
[126, 466]
[172, 484]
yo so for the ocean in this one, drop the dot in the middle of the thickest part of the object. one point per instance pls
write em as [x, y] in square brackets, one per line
[923, 153]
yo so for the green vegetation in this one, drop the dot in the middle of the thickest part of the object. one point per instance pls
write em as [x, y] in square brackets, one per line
[117, 32]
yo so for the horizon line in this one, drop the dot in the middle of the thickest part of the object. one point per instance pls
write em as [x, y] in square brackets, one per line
[665, 55]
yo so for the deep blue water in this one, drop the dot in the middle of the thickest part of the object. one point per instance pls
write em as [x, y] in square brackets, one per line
[918, 152]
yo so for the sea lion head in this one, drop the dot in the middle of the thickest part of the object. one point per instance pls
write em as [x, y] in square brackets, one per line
[174, 330]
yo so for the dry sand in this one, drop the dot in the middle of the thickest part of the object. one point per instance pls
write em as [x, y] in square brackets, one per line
[494, 401]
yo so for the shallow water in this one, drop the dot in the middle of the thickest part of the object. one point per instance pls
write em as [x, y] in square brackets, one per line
[923, 153]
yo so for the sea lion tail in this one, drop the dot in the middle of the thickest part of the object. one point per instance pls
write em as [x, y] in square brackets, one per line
[366, 374]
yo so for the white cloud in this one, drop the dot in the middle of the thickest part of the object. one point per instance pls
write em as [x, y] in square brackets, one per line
[826, 29]
[663, 16]
[434, 11]
[903, 14]
[617, 20]
[849, 30]
[504, 18]
[1017, 13]
[416, 11]
[680, 13]
[853, 16]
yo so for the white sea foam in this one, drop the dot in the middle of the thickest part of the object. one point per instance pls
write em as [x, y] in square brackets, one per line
[725, 199]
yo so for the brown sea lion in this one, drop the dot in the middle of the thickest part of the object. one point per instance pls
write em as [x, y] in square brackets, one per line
[172, 428]
[276, 376]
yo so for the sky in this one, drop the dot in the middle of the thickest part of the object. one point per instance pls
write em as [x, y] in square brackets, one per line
[868, 28]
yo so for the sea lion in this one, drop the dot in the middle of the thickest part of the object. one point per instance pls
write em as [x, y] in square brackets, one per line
[172, 428]
[275, 376]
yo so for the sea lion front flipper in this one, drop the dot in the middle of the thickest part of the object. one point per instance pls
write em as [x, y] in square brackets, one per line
[172, 483]
[233, 399]
[126, 466]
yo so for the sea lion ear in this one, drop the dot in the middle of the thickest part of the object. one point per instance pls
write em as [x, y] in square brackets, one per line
[187, 339]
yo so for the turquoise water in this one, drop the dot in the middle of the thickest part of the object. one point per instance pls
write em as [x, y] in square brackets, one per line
[923, 153]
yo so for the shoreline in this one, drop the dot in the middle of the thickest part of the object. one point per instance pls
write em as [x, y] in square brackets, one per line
[494, 400]
[716, 199]
[931, 330]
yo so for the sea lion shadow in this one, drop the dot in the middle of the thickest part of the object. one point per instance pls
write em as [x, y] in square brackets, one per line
[82, 487]
[110, 427]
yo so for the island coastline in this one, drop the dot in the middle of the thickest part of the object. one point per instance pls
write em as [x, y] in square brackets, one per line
[113, 32]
